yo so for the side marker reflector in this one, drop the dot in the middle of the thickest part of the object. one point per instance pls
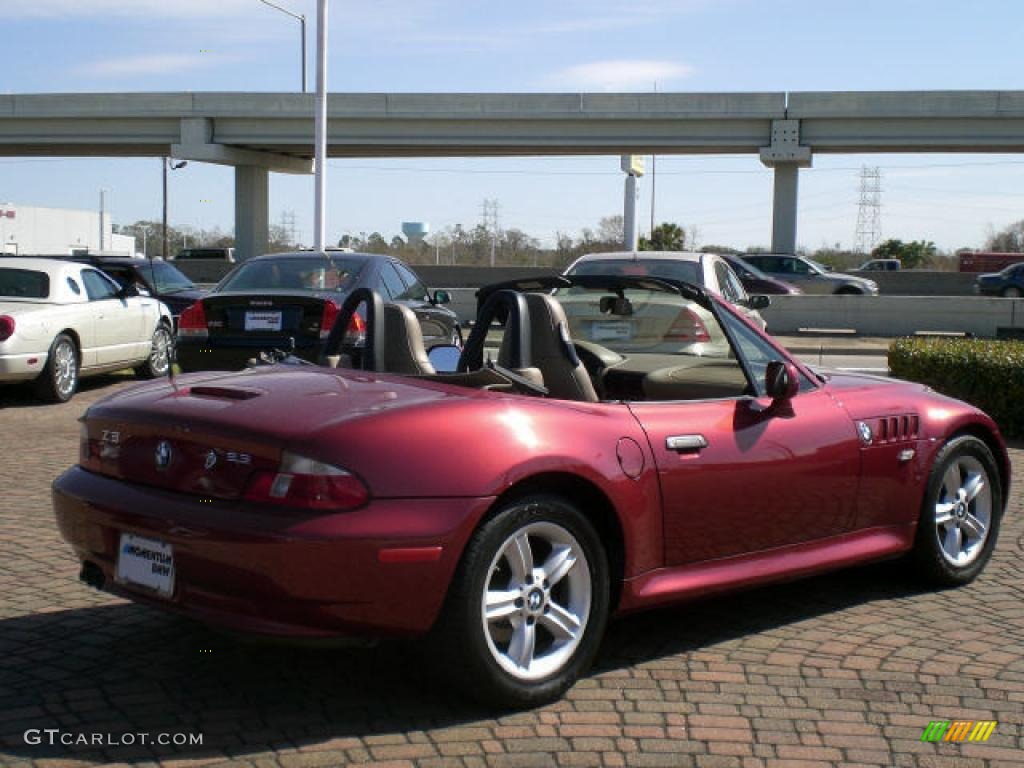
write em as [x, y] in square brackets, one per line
[410, 555]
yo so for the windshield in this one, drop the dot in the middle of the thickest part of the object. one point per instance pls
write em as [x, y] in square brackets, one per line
[24, 283]
[168, 279]
[313, 273]
[684, 271]
[819, 267]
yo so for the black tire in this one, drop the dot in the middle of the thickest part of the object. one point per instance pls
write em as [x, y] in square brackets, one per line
[59, 380]
[930, 556]
[849, 291]
[472, 655]
[1011, 292]
[158, 362]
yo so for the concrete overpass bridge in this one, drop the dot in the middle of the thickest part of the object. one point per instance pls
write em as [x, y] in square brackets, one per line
[259, 133]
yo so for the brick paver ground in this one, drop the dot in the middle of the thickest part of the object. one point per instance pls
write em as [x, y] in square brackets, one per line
[845, 669]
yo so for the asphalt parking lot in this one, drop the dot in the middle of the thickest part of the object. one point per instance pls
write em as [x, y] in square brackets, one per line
[845, 669]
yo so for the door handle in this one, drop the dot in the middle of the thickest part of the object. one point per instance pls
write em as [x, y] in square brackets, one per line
[686, 443]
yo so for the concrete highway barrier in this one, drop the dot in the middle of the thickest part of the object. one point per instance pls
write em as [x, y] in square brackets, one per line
[893, 316]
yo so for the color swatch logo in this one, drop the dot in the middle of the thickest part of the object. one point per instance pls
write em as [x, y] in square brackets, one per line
[958, 730]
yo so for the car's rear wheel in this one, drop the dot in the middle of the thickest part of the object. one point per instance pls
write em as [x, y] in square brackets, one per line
[59, 380]
[961, 513]
[159, 360]
[529, 604]
[1012, 292]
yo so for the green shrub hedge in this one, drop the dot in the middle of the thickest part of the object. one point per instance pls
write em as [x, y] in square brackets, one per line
[985, 373]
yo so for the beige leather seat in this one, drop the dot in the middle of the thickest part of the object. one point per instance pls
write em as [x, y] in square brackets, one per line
[403, 343]
[552, 352]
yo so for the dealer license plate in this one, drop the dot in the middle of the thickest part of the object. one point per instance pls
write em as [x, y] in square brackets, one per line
[611, 331]
[263, 321]
[146, 563]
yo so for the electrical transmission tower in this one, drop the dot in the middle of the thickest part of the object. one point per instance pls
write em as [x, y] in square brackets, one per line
[869, 210]
[288, 226]
[489, 221]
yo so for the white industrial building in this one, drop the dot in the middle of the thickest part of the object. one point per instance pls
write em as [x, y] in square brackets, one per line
[26, 230]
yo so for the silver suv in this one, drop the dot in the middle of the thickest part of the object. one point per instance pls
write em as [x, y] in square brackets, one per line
[810, 276]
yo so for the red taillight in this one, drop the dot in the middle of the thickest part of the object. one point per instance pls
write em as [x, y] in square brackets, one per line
[307, 484]
[355, 336]
[688, 327]
[193, 321]
[6, 327]
[89, 451]
[328, 317]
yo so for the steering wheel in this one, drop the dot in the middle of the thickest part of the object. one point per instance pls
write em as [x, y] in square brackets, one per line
[335, 344]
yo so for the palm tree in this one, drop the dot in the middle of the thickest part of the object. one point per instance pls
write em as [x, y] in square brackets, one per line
[665, 237]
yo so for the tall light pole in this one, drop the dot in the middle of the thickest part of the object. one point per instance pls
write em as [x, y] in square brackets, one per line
[302, 21]
[166, 161]
[319, 223]
[103, 213]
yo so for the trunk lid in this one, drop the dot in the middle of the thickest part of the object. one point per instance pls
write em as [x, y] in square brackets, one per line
[210, 435]
[266, 315]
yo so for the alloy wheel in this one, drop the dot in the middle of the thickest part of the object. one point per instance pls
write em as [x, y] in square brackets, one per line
[160, 357]
[65, 369]
[536, 601]
[963, 511]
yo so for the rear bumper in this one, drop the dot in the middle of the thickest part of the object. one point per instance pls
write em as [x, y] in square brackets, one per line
[18, 367]
[272, 572]
[233, 354]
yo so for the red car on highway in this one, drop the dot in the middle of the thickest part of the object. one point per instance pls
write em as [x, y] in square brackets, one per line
[605, 445]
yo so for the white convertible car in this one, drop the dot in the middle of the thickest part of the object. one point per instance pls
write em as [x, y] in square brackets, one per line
[60, 320]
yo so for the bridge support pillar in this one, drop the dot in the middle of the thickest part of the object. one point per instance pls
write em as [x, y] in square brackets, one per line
[787, 157]
[784, 206]
[252, 211]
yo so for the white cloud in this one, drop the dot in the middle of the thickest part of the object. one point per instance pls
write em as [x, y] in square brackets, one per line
[156, 64]
[620, 75]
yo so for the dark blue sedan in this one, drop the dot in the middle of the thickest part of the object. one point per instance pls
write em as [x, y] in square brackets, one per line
[289, 301]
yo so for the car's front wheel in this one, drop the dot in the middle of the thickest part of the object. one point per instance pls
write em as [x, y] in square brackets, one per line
[159, 360]
[529, 604]
[960, 517]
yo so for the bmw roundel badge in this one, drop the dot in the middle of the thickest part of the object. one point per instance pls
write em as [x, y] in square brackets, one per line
[164, 453]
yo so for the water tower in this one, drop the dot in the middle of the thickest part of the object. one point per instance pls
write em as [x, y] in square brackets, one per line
[415, 231]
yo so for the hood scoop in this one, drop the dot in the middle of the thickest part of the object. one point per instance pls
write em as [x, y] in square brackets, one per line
[224, 393]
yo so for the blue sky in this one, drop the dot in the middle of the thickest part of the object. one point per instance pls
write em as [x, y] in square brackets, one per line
[530, 46]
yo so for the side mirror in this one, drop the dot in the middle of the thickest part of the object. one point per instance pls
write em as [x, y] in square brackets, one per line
[442, 297]
[781, 380]
[758, 301]
[128, 290]
[444, 358]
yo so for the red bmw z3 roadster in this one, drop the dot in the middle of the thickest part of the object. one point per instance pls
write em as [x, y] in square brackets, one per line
[603, 445]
